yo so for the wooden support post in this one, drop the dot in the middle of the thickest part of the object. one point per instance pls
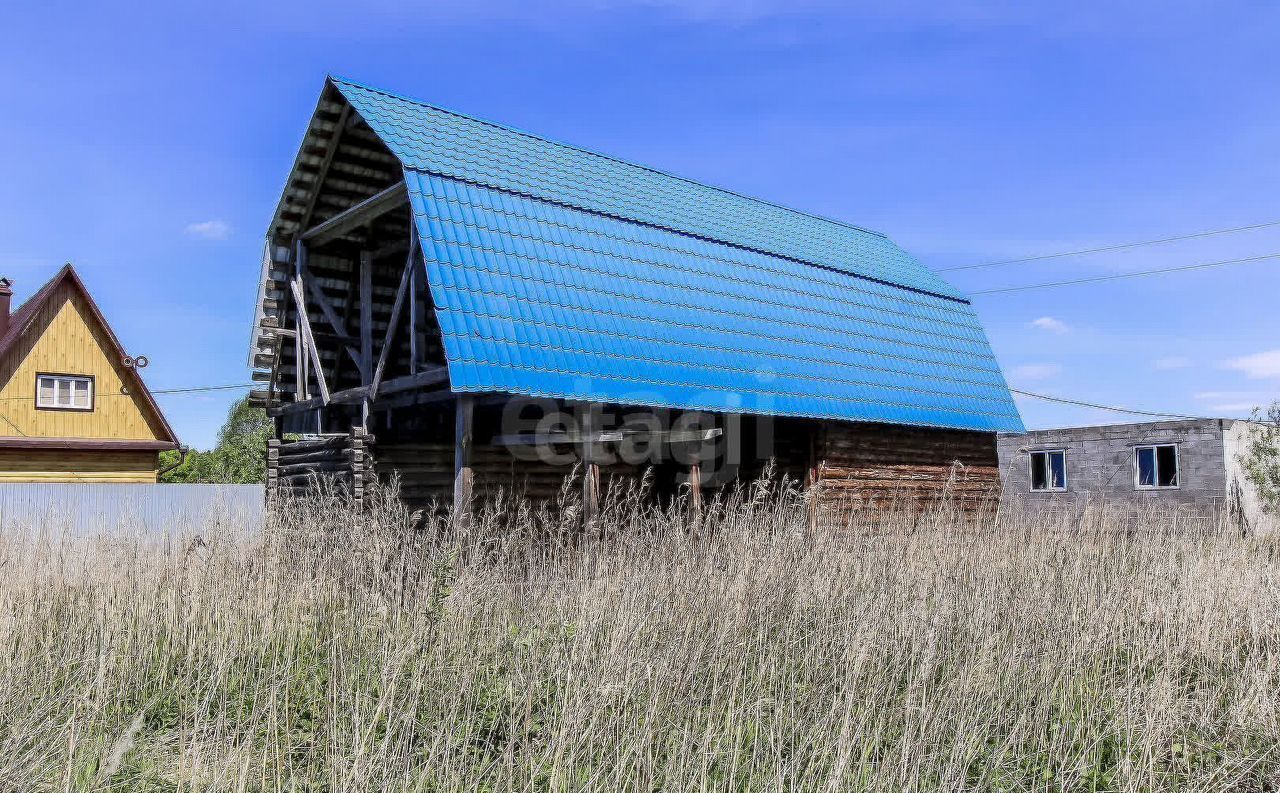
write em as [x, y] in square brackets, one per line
[590, 421]
[273, 468]
[413, 316]
[813, 475]
[366, 330]
[304, 322]
[361, 467]
[695, 486]
[388, 341]
[463, 475]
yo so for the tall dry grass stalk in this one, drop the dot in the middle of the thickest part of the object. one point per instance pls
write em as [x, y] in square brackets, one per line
[344, 651]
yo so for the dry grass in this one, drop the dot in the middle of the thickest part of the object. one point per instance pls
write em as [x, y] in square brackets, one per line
[900, 653]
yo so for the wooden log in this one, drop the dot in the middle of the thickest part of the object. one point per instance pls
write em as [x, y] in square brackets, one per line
[589, 421]
[388, 340]
[323, 455]
[463, 475]
[315, 468]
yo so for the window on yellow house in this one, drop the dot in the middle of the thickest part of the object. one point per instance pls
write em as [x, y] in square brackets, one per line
[64, 392]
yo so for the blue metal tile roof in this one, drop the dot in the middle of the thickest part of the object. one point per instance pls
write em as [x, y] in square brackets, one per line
[561, 273]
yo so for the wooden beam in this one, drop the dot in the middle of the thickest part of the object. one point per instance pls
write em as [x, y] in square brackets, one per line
[463, 475]
[366, 317]
[695, 490]
[608, 436]
[348, 396]
[304, 330]
[301, 389]
[588, 426]
[356, 216]
[335, 140]
[388, 341]
[326, 308]
[413, 318]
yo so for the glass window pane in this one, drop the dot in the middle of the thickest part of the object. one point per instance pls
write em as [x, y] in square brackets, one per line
[1167, 466]
[1057, 470]
[1146, 467]
[64, 392]
[1038, 473]
[46, 390]
[81, 393]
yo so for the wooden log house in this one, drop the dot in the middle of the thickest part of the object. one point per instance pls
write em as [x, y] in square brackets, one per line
[470, 307]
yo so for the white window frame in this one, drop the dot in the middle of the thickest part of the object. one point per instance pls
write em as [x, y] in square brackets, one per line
[67, 382]
[1048, 473]
[1155, 455]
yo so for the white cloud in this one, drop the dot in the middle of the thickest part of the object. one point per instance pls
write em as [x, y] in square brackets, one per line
[1234, 407]
[1230, 396]
[1036, 371]
[210, 229]
[1172, 362]
[1257, 366]
[1050, 324]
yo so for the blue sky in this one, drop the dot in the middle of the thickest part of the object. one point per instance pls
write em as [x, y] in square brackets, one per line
[148, 145]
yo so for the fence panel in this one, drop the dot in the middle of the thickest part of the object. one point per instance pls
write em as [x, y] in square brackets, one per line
[160, 509]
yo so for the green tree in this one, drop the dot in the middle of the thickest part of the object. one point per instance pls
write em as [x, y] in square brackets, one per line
[239, 456]
[1261, 458]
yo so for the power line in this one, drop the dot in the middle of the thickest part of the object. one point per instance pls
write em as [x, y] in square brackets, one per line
[188, 390]
[194, 389]
[1113, 408]
[1105, 248]
[1119, 276]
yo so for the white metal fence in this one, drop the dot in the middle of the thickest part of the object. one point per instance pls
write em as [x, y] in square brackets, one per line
[85, 508]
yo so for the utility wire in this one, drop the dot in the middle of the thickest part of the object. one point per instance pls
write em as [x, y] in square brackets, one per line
[1105, 248]
[190, 390]
[1113, 408]
[1119, 276]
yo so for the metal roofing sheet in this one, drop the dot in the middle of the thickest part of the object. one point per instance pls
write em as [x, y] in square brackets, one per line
[562, 273]
[434, 140]
[539, 298]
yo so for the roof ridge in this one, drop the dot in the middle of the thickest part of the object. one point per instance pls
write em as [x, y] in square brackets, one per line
[31, 305]
[602, 155]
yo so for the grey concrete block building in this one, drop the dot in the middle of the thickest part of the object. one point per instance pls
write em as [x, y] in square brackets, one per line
[1191, 465]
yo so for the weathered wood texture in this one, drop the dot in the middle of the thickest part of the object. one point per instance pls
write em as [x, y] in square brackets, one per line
[54, 465]
[862, 465]
[301, 466]
[426, 472]
[64, 338]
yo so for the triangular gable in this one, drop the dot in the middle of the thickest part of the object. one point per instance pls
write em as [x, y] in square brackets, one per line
[20, 323]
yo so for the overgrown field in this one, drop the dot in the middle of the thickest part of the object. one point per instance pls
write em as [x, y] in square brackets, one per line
[902, 652]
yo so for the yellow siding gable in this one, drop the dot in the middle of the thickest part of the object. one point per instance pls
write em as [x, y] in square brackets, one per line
[65, 338]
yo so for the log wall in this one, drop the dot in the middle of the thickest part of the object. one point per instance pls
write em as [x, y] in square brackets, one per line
[298, 466]
[863, 465]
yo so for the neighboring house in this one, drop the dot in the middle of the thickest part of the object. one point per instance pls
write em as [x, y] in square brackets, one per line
[442, 282]
[1192, 465]
[73, 407]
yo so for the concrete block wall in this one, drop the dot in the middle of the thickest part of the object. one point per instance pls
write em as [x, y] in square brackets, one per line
[1100, 463]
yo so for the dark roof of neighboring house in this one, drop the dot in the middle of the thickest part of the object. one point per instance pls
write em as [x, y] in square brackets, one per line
[20, 321]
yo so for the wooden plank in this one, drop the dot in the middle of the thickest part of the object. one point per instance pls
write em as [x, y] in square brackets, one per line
[695, 490]
[358, 215]
[463, 475]
[335, 140]
[413, 309]
[326, 308]
[304, 329]
[588, 423]
[608, 436]
[397, 385]
[366, 316]
[388, 341]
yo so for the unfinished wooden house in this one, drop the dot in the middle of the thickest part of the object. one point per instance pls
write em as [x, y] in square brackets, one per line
[467, 306]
